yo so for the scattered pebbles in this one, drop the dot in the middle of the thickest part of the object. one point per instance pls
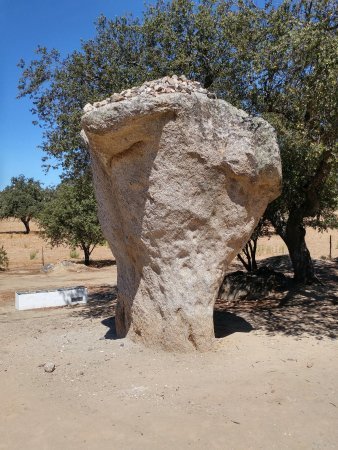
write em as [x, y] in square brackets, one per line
[166, 85]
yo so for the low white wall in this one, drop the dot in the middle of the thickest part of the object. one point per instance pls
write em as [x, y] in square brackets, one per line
[50, 298]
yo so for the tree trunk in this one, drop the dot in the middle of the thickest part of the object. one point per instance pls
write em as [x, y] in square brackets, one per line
[26, 223]
[293, 231]
[300, 256]
[86, 255]
[253, 249]
[250, 253]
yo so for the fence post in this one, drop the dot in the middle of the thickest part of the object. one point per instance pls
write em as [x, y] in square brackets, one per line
[330, 254]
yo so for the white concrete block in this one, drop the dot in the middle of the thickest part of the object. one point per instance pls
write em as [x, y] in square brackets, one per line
[51, 298]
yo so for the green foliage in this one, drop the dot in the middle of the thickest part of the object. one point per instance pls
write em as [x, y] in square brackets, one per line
[294, 65]
[3, 258]
[74, 254]
[70, 218]
[277, 62]
[174, 37]
[295, 56]
[59, 88]
[23, 199]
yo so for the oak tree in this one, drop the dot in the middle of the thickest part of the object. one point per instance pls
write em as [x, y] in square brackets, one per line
[70, 217]
[23, 199]
[278, 62]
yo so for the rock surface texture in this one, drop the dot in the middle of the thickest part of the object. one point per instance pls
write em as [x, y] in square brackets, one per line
[181, 180]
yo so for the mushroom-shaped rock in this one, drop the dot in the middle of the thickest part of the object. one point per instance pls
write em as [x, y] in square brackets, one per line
[181, 181]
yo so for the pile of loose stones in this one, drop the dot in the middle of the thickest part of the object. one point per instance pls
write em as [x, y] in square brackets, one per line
[166, 85]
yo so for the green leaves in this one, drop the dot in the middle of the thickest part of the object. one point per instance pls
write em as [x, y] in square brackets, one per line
[22, 199]
[70, 218]
[277, 62]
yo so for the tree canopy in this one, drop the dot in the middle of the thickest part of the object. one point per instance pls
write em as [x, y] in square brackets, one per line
[70, 217]
[277, 62]
[23, 199]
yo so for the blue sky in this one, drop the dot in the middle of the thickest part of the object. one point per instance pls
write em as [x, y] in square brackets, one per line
[25, 24]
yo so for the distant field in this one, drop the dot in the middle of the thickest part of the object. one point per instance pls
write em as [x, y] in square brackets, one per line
[25, 250]
[318, 244]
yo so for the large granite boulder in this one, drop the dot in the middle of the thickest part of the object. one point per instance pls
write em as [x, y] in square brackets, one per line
[181, 179]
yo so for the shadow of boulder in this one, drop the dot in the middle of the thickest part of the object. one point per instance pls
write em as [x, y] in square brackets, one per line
[110, 323]
[226, 323]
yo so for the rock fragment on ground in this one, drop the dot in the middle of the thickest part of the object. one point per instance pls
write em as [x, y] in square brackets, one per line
[49, 367]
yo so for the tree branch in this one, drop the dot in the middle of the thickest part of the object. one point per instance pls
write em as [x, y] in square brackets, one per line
[313, 188]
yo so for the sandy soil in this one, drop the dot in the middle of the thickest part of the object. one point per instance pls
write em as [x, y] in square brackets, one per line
[271, 383]
[259, 390]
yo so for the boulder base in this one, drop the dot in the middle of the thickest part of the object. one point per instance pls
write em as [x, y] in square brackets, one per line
[181, 181]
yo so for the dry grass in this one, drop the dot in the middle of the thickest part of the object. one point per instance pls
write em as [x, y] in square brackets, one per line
[29, 251]
[318, 244]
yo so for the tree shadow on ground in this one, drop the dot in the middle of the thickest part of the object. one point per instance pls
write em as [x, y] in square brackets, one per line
[301, 310]
[99, 263]
[280, 263]
[101, 303]
[310, 310]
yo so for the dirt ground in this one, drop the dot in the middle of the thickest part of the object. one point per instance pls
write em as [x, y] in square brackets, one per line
[271, 383]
